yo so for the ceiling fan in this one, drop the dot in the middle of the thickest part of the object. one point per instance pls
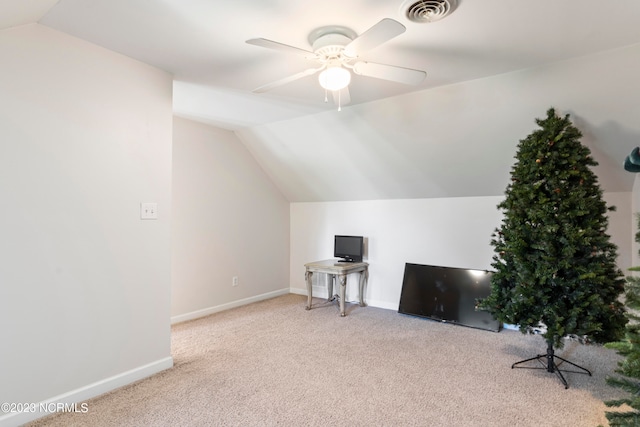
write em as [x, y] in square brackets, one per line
[337, 49]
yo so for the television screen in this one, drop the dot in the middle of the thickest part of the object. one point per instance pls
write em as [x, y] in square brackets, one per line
[349, 248]
[447, 294]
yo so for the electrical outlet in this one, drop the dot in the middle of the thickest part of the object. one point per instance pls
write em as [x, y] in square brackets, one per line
[234, 281]
[148, 211]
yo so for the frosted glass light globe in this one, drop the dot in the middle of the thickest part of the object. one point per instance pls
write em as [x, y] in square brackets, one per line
[334, 78]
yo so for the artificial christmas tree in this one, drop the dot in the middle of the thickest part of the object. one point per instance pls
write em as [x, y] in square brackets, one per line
[630, 348]
[555, 267]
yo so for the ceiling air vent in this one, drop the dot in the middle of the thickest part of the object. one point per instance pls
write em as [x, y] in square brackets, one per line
[423, 11]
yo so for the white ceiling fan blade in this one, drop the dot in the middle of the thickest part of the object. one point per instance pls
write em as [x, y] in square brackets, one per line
[286, 80]
[270, 44]
[341, 97]
[381, 32]
[389, 72]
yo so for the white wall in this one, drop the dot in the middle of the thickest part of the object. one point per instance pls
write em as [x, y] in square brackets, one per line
[85, 136]
[452, 232]
[228, 220]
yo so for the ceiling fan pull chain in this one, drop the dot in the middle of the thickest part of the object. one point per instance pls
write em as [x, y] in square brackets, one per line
[339, 100]
[326, 92]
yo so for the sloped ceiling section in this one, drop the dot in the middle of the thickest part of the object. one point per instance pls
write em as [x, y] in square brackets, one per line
[493, 66]
[454, 141]
[203, 43]
[14, 13]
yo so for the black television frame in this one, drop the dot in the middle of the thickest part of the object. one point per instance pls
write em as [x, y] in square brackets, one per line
[447, 294]
[349, 248]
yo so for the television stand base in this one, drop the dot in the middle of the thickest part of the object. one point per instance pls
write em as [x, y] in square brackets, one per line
[548, 362]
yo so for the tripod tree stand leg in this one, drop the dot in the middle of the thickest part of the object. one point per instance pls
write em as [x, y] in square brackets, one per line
[550, 364]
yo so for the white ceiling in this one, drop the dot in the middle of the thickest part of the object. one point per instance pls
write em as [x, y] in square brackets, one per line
[202, 43]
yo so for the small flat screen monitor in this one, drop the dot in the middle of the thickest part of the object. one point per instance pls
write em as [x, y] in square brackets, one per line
[349, 248]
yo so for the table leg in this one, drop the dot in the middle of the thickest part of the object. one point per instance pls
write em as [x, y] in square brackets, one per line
[364, 276]
[307, 276]
[343, 292]
[331, 278]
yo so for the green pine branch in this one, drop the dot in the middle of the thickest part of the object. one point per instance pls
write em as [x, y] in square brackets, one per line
[629, 347]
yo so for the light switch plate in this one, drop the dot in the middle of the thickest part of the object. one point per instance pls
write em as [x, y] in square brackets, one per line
[148, 210]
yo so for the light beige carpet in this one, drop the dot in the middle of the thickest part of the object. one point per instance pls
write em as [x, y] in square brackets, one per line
[273, 363]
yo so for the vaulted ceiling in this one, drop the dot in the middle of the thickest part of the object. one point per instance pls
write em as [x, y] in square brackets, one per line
[492, 66]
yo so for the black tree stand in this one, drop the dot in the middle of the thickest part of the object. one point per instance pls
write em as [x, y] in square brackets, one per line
[548, 362]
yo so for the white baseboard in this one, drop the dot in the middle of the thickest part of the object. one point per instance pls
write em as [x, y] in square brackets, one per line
[318, 291]
[321, 292]
[207, 311]
[71, 401]
[382, 304]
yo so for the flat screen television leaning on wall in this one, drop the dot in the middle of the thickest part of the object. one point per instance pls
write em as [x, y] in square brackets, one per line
[447, 294]
[349, 248]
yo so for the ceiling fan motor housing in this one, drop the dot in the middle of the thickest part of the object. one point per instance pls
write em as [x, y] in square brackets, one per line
[330, 45]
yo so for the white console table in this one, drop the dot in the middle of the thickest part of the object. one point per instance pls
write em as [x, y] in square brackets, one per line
[341, 270]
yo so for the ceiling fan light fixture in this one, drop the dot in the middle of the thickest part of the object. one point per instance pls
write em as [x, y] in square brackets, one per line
[334, 78]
